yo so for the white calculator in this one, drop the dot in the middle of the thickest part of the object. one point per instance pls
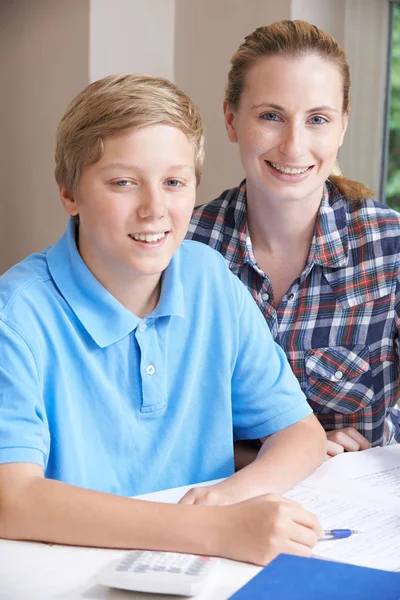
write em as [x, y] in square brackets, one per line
[159, 572]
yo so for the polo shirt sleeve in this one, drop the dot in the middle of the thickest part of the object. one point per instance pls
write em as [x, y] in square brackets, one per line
[266, 396]
[24, 435]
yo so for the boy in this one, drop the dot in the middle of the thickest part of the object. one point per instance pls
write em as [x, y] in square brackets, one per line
[129, 361]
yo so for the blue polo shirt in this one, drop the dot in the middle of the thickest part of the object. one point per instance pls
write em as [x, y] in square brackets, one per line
[105, 400]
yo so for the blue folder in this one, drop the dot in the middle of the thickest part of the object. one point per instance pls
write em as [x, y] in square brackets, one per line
[296, 578]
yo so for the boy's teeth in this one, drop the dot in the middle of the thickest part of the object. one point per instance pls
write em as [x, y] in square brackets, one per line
[148, 237]
[288, 170]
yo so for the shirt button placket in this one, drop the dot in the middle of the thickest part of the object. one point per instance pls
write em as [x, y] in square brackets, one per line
[150, 367]
[150, 370]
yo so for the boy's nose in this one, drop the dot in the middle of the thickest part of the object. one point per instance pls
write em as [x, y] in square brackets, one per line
[151, 205]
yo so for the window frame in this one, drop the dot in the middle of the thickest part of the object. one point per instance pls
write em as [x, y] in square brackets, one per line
[387, 105]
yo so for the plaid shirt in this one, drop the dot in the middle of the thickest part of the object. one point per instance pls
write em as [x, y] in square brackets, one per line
[339, 321]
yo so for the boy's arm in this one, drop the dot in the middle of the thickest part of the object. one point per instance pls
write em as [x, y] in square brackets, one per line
[267, 400]
[347, 439]
[285, 458]
[35, 508]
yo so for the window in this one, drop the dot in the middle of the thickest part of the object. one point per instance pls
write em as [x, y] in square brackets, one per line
[392, 167]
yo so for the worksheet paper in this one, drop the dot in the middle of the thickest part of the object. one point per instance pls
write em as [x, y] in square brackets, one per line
[358, 491]
[355, 490]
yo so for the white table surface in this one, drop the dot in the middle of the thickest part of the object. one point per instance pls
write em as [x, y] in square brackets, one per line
[35, 571]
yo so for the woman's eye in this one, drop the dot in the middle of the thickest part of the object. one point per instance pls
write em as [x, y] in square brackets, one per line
[270, 116]
[318, 120]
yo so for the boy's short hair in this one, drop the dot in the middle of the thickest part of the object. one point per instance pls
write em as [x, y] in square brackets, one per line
[114, 104]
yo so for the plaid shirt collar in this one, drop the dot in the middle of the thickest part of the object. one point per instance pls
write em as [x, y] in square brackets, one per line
[329, 247]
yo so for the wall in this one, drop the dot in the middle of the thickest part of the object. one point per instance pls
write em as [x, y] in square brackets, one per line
[50, 49]
[133, 36]
[328, 15]
[207, 34]
[41, 68]
[366, 33]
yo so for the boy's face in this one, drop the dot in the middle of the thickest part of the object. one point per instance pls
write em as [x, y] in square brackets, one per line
[135, 204]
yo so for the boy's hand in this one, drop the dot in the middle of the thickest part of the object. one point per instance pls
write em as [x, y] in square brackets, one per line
[345, 440]
[268, 525]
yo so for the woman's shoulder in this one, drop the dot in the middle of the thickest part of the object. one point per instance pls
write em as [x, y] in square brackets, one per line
[367, 215]
[211, 221]
[371, 241]
[373, 218]
[218, 205]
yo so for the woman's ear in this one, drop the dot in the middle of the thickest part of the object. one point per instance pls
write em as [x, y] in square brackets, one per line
[68, 201]
[230, 122]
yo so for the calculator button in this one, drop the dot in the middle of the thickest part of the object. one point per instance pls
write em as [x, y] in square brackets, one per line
[174, 570]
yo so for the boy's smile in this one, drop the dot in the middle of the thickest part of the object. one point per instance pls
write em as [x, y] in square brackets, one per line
[134, 205]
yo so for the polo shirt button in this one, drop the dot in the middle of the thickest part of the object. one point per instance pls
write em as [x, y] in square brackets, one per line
[142, 327]
[265, 296]
[150, 369]
[338, 375]
[290, 297]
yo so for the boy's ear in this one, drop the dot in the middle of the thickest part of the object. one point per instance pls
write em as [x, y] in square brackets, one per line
[68, 201]
[230, 122]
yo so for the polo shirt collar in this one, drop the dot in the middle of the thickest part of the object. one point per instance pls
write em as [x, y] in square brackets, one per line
[104, 318]
[172, 297]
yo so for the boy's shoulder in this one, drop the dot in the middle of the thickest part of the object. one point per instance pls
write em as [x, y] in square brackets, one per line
[23, 283]
[203, 259]
[201, 265]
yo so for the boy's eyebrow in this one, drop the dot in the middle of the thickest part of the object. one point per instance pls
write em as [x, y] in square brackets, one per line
[321, 108]
[127, 166]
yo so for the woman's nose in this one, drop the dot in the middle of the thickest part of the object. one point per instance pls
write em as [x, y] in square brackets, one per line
[294, 142]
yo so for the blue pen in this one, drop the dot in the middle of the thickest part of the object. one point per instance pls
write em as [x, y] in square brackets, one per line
[338, 534]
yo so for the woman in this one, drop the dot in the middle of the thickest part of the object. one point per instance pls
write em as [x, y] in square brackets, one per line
[319, 256]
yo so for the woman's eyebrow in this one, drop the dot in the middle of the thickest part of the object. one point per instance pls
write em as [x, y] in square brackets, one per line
[323, 108]
[278, 107]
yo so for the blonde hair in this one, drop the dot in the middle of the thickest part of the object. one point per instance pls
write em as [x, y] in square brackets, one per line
[116, 103]
[293, 38]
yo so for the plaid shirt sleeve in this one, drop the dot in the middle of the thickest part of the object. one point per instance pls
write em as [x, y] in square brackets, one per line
[339, 321]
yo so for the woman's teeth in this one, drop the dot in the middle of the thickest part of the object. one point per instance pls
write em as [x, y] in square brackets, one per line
[148, 237]
[288, 170]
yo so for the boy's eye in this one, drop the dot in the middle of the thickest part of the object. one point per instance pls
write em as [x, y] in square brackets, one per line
[318, 120]
[122, 182]
[173, 183]
[269, 116]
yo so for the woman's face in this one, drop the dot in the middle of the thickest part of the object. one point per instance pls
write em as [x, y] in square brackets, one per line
[289, 126]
